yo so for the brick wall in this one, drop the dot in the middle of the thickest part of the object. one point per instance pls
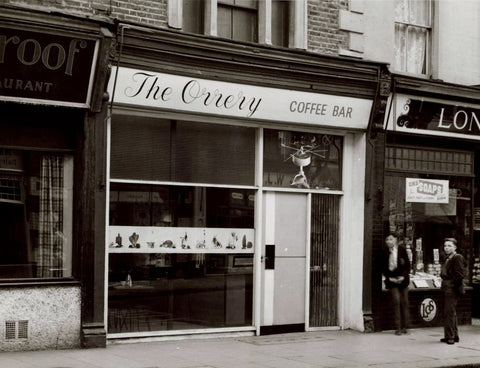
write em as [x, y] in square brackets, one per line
[324, 35]
[148, 12]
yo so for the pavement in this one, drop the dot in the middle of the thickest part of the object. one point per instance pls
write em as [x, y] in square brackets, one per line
[420, 348]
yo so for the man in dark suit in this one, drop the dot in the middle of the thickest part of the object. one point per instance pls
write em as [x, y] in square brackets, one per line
[453, 272]
[396, 269]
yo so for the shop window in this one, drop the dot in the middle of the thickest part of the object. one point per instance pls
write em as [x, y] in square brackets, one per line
[302, 160]
[413, 29]
[36, 198]
[423, 210]
[163, 150]
[180, 257]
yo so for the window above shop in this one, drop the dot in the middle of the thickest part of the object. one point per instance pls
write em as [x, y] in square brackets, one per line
[276, 22]
[413, 35]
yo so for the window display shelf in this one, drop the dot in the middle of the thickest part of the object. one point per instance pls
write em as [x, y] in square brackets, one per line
[158, 239]
[125, 250]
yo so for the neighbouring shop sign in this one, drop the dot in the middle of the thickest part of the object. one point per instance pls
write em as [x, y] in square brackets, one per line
[428, 309]
[195, 95]
[426, 190]
[420, 115]
[46, 68]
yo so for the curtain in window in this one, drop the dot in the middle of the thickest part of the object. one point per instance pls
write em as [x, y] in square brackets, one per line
[412, 29]
[49, 255]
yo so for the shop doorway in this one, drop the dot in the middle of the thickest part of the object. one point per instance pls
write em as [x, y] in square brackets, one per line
[301, 230]
[285, 222]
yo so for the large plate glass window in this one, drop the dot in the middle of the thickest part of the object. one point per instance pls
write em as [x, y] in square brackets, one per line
[427, 198]
[302, 160]
[36, 198]
[180, 245]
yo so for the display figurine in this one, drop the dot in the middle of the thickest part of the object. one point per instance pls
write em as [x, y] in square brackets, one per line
[232, 241]
[184, 242]
[216, 243]
[167, 244]
[134, 241]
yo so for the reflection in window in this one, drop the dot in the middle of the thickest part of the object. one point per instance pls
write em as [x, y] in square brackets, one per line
[36, 192]
[302, 160]
[180, 206]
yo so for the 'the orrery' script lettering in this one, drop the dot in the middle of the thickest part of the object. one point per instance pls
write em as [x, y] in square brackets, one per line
[148, 87]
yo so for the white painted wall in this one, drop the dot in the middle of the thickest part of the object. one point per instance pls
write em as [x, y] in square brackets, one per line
[458, 41]
[351, 250]
[456, 38]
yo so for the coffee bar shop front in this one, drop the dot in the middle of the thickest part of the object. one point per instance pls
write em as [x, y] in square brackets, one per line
[227, 208]
[430, 192]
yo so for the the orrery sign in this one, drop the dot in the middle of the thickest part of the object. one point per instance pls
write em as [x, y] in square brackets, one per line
[46, 68]
[196, 95]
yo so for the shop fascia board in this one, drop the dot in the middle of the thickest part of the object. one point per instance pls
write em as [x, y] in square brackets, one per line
[47, 20]
[436, 89]
[158, 50]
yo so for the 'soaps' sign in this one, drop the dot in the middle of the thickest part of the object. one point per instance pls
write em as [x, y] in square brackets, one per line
[46, 68]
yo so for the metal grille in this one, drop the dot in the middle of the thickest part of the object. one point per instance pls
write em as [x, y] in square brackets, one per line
[324, 260]
[10, 330]
[429, 161]
[22, 329]
[16, 330]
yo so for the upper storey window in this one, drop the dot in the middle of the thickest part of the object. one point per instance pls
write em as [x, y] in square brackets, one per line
[274, 22]
[413, 29]
[238, 19]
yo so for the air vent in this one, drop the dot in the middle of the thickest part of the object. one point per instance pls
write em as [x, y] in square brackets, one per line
[16, 330]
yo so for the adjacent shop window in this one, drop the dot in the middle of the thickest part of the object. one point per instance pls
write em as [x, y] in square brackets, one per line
[180, 253]
[427, 198]
[163, 150]
[413, 29]
[302, 160]
[36, 198]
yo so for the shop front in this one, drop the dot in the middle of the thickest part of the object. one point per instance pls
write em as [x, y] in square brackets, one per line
[44, 176]
[229, 193]
[430, 186]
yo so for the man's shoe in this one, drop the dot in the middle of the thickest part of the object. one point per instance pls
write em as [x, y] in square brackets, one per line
[398, 332]
[450, 341]
[404, 331]
[455, 339]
